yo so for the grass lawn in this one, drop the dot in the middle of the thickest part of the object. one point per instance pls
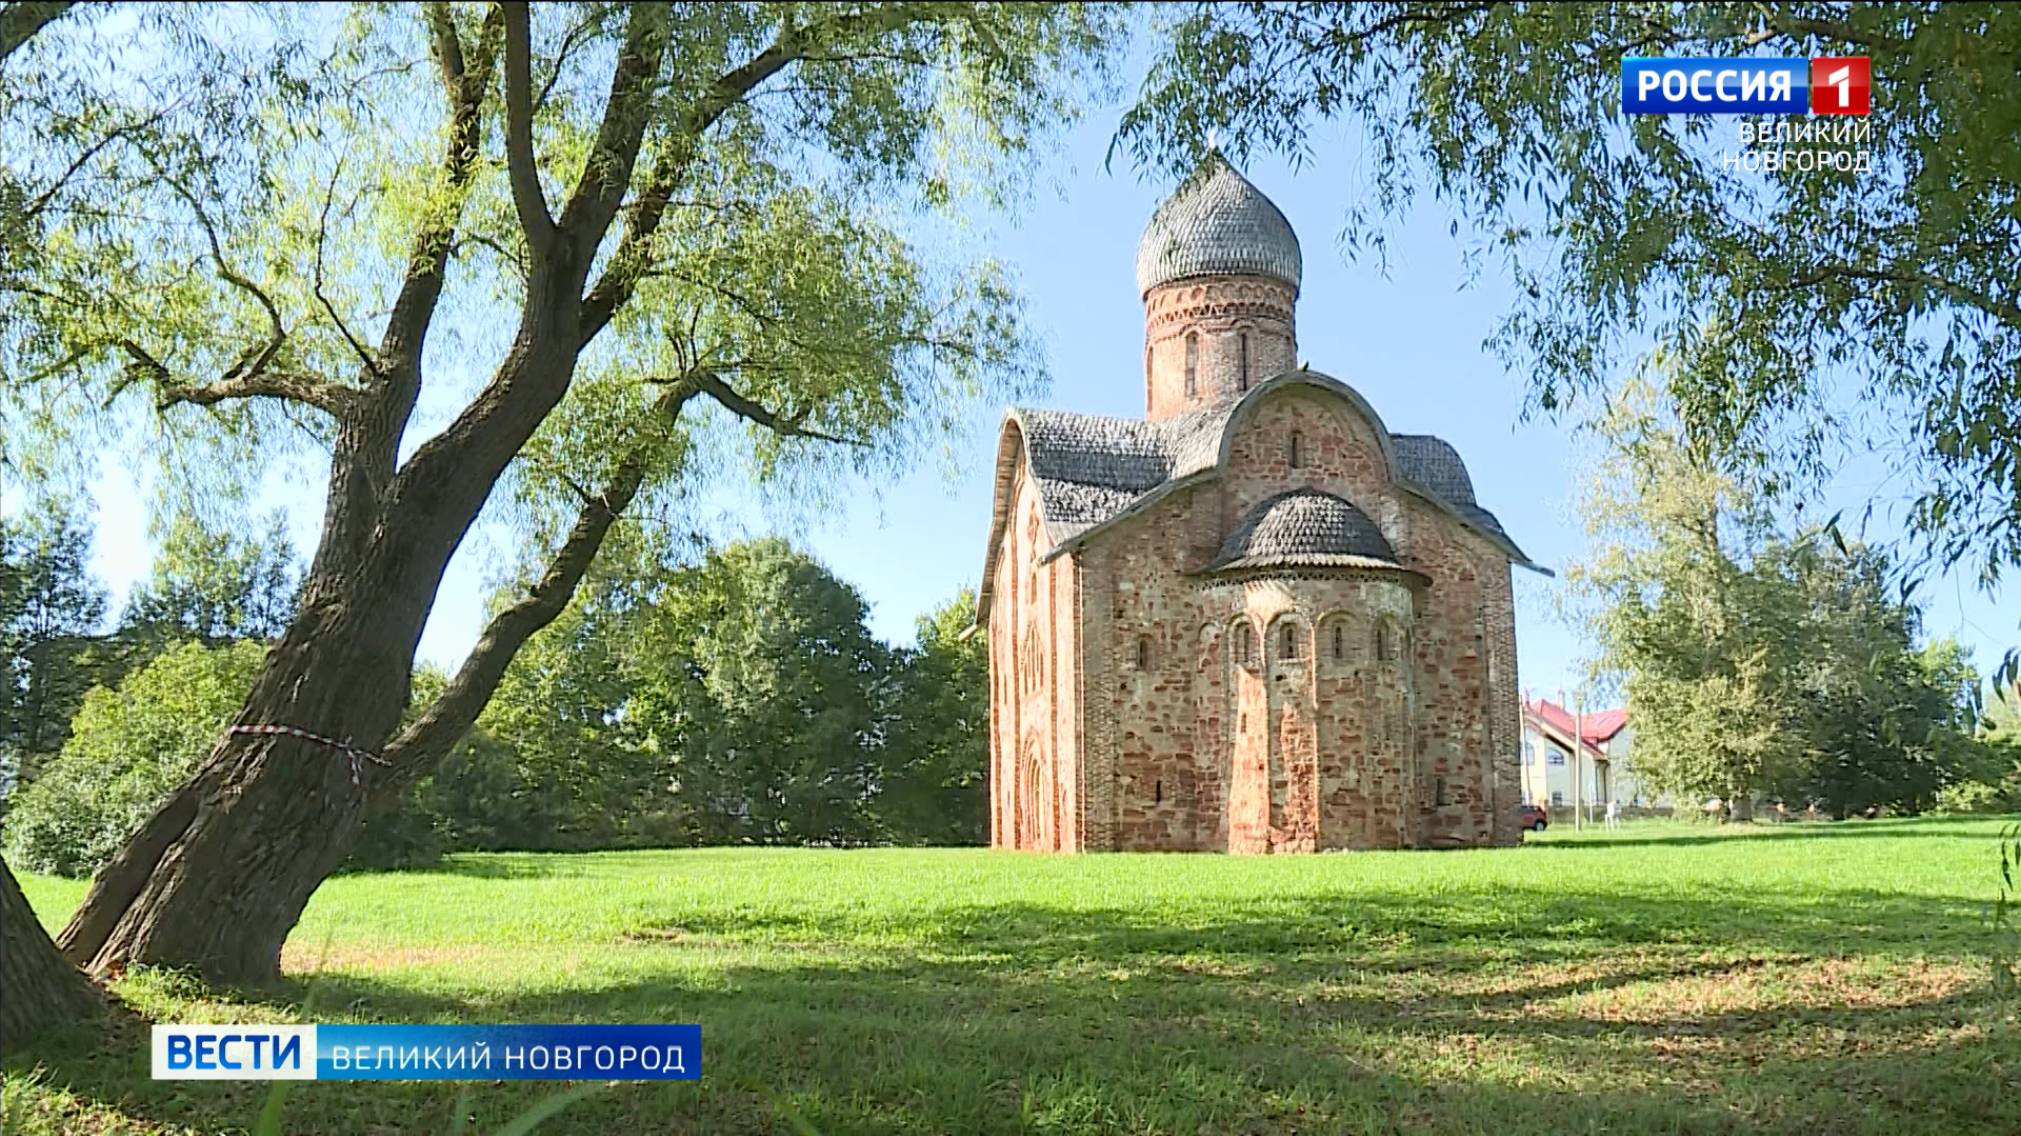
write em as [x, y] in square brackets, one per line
[1669, 978]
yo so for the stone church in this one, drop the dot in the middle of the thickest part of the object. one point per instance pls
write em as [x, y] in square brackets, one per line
[1254, 620]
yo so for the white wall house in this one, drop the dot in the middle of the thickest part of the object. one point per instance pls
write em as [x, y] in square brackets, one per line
[1603, 771]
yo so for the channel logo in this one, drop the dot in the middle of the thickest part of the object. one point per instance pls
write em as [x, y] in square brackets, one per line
[1825, 85]
[234, 1053]
[347, 1052]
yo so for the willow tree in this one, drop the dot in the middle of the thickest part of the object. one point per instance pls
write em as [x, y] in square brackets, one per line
[540, 264]
[43, 989]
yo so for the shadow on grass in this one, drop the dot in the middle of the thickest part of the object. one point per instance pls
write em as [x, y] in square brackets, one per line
[1508, 1013]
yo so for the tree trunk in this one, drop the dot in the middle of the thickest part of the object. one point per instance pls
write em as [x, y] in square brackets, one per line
[216, 879]
[41, 990]
[220, 874]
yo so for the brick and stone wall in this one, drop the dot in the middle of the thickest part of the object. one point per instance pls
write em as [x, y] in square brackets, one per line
[1299, 750]
[1228, 332]
[1035, 703]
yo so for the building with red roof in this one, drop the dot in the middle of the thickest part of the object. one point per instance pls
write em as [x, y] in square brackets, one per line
[1603, 770]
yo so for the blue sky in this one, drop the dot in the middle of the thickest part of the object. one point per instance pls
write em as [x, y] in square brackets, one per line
[1409, 339]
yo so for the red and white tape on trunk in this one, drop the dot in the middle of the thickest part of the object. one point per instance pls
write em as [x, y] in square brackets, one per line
[346, 748]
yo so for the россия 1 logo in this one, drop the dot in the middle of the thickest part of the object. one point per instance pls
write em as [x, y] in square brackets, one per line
[1826, 85]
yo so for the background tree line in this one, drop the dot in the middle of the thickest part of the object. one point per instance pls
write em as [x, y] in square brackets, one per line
[736, 699]
[1771, 658]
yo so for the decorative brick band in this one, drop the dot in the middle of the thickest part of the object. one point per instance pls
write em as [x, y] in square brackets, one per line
[1179, 319]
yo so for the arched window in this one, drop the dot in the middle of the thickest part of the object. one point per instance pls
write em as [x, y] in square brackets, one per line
[1029, 827]
[1339, 642]
[1245, 643]
[1242, 358]
[1290, 648]
[1032, 546]
[1297, 450]
[1192, 364]
[1385, 642]
[1143, 652]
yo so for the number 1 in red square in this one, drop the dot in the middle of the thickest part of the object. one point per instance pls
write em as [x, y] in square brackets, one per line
[1841, 85]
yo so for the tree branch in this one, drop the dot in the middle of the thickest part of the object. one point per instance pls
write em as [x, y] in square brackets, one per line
[632, 256]
[289, 385]
[608, 170]
[257, 360]
[417, 749]
[792, 426]
[2005, 311]
[322, 235]
[251, 376]
[84, 156]
[527, 198]
[570, 41]
[428, 257]
[20, 21]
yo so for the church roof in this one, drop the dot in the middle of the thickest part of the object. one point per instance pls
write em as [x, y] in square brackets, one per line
[1305, 528]
[1091, 470]
[1217, 223]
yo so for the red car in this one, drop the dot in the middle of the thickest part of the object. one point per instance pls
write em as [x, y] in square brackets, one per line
[1532, 818]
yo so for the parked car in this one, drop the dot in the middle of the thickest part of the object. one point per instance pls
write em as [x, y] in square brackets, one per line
[1533, 818]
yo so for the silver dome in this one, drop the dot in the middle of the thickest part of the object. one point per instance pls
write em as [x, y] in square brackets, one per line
[1305, 528]
[1215, 224]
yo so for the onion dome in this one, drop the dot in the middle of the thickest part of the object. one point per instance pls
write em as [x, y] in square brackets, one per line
[1217, 224]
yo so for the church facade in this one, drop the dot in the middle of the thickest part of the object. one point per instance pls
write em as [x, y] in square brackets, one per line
[1254, 620]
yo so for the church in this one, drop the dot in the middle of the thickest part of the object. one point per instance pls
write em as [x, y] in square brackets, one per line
[1254, 620]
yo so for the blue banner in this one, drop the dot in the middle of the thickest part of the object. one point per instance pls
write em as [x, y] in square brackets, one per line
[1715, 86]
[509, 1053]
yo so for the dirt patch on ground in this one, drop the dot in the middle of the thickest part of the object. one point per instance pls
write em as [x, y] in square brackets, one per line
[309, 958]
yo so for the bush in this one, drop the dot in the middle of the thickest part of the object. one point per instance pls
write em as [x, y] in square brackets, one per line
[1979, 798]
[132, 746]
[129, 748]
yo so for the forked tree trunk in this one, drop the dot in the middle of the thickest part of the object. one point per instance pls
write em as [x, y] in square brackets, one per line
[39, 990]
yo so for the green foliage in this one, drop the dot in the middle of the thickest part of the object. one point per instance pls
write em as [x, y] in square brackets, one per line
[1758, 662]
[933, 784]
[1996, 786]
[129, 748]
[1976, 798]
[1781, 295]
[737, 699]
[234, 202]
[216, 585]
[50, 607]
[565, 763]
[762, 678]
[213, 588]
